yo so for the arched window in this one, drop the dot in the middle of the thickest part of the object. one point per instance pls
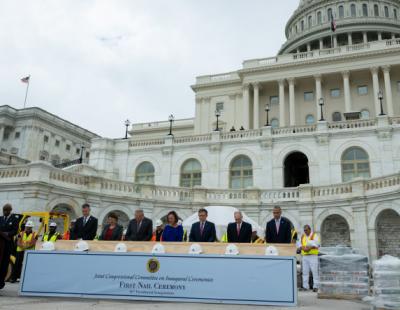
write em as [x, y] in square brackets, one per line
[394, 13]
[319, 18]
[241, 172]
[353, 12]
[341, 11]
[336, 117]
[309, 21]
[274, 123]
[310, 119]
[355, 163]
[364, 114]
[145, 173]
[191, 173]
[386, 11]
[365, 9]
[376, 10]
[329, 14]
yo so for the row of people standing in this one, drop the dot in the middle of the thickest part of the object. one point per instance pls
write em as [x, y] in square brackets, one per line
[278, 230]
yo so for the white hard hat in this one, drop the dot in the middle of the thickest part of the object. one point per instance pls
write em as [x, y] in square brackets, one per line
[232, 249]
[158, 223]
[271, 251]
[195, 248]
[29, 224]
[53, 224]
[81, 246]
[47, 246]
[311, 243]
[121, 248]
[158, 249]
[180, 222]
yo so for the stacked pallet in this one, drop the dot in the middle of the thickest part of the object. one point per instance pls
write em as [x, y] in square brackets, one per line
[386, 290]
[343, 276]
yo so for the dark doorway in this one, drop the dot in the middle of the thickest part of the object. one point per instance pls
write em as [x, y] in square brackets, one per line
[296, 170]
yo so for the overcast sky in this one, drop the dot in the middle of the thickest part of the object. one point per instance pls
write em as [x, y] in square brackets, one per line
[97, 63]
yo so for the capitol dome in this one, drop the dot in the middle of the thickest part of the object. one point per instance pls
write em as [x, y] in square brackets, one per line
[357, 22]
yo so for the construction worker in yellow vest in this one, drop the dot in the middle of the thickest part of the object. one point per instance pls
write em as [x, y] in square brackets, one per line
[26, 240]
[309, 245]
[52, 235]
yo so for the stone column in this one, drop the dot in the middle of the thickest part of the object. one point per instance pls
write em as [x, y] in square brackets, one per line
[308, 47]
[256, 110]
[393, 36]
[208, 113]
[292, 111]
[282, 112]
[360, 229]
[349, 39]
[1, 134]
[346, 88]
[318, 94]
[379, 36]
[388, 89]
[197, 122]
[321, 44]
[246, 106]
[375, 83]
[335, 41]
[365, 37]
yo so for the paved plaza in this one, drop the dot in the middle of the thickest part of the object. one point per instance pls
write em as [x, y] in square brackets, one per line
[9, 299]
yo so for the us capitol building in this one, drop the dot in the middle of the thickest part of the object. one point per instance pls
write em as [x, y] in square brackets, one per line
[315, 130]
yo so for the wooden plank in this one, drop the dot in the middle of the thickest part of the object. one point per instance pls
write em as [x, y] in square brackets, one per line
[176, 247]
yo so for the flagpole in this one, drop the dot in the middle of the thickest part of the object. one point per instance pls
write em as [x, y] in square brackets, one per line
[26, 93]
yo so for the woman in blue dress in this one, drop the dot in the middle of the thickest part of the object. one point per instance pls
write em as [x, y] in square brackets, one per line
[173, 232]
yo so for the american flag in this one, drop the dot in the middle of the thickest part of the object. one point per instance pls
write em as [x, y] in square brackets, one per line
[333, 23]
[26, 79]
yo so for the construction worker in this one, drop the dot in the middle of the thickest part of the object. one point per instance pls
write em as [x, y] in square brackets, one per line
[255, 238]
[52, 235]
[69, 234]
[157, 233]
[26, 240]
[309, 248]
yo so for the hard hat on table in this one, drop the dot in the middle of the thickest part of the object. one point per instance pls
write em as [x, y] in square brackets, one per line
[232, 249]
[271, 251]
[47, 246]
[81, 246]
[121, 248]
[195, 248]
[158, 249]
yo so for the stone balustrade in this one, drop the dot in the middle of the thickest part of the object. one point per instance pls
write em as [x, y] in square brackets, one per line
[40, 171]
[356, 124]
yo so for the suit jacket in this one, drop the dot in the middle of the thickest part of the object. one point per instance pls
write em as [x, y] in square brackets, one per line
[116, 235]
[144, 233]
[9, 227]
[209, 234]
[87, 231]
[244, 235]
[285, 232]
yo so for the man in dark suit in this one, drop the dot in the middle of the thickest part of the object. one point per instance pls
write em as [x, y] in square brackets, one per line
[85, 227]
[140, 228]
[8, 229]
[278, 229]
[239, 231]
[203, 230]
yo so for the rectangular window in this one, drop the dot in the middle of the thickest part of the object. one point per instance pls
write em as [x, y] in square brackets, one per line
[78, 151]
[57, 143]
[363, 90]
[46, 139]
[335, 93]
[308, 96]
[87, 154]
[67, 147]
[273, 100]
[219, 106]
[17, 135]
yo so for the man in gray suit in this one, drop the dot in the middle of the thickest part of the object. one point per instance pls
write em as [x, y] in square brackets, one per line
[140, 228]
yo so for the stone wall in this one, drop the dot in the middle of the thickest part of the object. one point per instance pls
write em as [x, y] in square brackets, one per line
[335, 231]
[388, 233]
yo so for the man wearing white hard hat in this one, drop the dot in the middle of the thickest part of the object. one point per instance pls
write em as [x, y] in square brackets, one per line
[26, 240]
[157, 233]
[52, 235]
[309, 246]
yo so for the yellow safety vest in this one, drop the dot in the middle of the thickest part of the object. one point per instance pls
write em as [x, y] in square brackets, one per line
[27, 239]
[304, 243]
[224, 237]
[53, 238]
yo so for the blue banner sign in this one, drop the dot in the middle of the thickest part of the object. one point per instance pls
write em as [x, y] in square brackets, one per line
[258, 280]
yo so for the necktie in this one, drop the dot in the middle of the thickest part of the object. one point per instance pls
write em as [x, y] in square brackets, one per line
[85, 220]
[277, 226]
[201, 228]
[140, 224]
[238, 229]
